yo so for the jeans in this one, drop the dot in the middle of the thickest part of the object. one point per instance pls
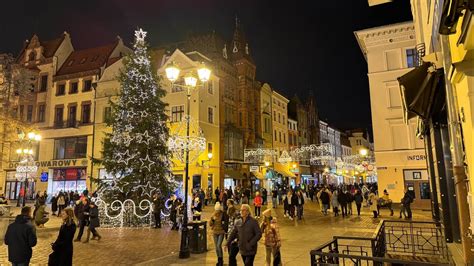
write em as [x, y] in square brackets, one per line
[349, 207]
[257, 211]
[408, 210]
[82, 224]
[300, 211]
[344, 209]
[218, 244]
[325, 208]
[270, 253]
[358, 205]
[274, 202]
[248, 260]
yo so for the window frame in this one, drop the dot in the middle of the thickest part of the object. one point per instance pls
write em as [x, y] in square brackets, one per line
[63, 90]
[177, 113]
[43, 86]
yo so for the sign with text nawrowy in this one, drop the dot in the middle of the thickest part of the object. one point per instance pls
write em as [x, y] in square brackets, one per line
[55, 163]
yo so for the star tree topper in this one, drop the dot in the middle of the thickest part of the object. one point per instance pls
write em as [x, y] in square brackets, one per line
[140, 35]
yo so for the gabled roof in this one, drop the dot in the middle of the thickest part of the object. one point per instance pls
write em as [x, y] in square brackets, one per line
[49, 47]
[87, 60]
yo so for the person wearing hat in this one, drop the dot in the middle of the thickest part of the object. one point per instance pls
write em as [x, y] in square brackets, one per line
[272, 238]
[93, 223]
[196, 209]
[219, 225]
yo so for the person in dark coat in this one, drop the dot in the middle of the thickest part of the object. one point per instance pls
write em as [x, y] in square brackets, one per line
[157, 207]
[63, 247]
[54, 205]
[249, 234]
[341, 197]
[358, 198]
[174, 212]
[82, 214]
[94, 222]
[325, 200]
[20, 238]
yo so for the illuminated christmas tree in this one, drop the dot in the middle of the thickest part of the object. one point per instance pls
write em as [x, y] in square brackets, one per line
[136, 152]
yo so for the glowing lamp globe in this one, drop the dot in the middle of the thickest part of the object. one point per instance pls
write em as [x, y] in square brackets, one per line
[172, 72]
[267, 164]
[204, 73]
[31, 135]
[190, 80]
[363, 152]
[209, 155]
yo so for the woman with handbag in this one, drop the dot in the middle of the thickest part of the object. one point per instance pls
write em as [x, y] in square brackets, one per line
[63, 247]
[272, 238]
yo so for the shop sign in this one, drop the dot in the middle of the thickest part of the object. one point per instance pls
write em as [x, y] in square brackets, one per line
[254, 168]
[54, 163]
[420, 157]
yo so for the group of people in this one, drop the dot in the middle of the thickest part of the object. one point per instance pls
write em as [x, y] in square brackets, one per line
[21, 234]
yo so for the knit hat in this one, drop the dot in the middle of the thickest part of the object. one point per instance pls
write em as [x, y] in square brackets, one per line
[218, 206]
[267, 213]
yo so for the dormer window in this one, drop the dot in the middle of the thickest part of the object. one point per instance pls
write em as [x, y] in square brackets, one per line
[32, 56]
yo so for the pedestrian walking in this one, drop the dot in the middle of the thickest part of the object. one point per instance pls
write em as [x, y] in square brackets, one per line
[408, 200]
[54, 205]
[335, 203]
[21, 238]
[274, 197]
[293, 204]
[342, 199]
[82, 214]
[257, 202]
[244, 199]
[271, 235]
[373, 202]
[358, 198]
[264, 196]
[286, 205]
[157, 207]
[63, 247]
[219, 225]
[61, 202]
[300, 204]
[94, 223]
[248, 233]
[196, 209]
[350, 200]
[325, 199]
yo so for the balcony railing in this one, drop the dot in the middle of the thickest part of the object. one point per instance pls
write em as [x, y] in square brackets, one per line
[394, 242]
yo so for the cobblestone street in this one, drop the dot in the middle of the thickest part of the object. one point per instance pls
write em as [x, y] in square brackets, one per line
[124, 246]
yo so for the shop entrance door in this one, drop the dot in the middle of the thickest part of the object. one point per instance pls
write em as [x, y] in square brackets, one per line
[417, 183]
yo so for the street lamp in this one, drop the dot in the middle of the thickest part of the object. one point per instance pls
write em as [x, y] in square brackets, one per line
[26, 154]
[363, 152]
[172, 74]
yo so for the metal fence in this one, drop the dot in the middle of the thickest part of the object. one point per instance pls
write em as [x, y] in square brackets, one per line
[393, 243]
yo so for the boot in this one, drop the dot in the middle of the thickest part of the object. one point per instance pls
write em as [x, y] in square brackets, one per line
[87, 236]
[98, 236]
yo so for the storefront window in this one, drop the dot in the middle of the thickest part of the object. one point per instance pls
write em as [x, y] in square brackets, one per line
[69, 179]
[70, 148]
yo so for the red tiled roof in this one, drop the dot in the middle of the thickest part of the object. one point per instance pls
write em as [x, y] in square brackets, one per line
[86, 60]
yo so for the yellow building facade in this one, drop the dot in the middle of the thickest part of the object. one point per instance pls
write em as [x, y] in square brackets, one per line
[400, 155]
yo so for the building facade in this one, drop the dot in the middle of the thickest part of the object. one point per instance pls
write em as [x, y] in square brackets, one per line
[401, 159]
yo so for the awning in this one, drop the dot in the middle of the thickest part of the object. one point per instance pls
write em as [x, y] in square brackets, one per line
[422, 91]
[283, 169]
[257, 174]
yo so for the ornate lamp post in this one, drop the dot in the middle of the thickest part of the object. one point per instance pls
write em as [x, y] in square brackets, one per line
[26, 164]
[190, 80]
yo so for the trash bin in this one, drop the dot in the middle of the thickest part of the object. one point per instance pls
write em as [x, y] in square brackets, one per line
[197, 236]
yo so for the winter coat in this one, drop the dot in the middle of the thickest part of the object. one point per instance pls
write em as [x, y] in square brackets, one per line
[94, 217]
[219, 223]
[63, 247]
[157, 205]
[373, 199]
[358, 198]
[258, 201]
[20, 238]
[341, 197]
[271, 234]
[61, 200]
[40, 214]
[294, 200]
[300, 200]
[54, 204]
[248, 233]
[324, 197]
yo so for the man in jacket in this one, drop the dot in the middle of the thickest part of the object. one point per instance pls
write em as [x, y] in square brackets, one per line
[325, 199]
[20, 238]
[157, 207]
[82, 214]
[407, 201]
[248, 234]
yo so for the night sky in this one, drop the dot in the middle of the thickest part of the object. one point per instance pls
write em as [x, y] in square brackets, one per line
[298, 46]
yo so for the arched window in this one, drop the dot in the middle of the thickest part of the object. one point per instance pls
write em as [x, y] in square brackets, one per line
[32, 56]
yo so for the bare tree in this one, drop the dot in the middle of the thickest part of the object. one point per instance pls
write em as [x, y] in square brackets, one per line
[17, 85]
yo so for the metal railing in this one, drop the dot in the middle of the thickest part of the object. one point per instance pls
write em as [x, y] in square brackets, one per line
[420, 52]
[394, 242]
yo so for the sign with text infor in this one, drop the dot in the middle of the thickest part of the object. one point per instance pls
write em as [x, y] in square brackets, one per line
[419, 157]
[254, 168]
[55, 163]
